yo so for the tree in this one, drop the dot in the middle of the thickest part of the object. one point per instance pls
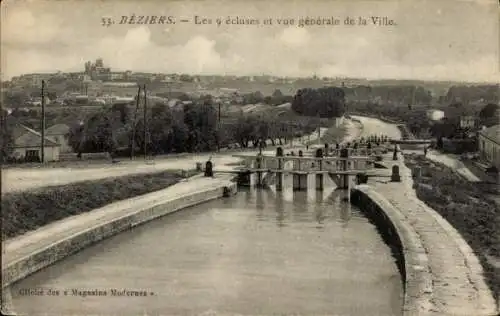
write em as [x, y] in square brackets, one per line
[252, 98]
[488, 115]
[6, 138]
[99, 133]
[201, 121]
[76, 138]
[325, 102]
[123, 110]
[277, 94]
[161, 128]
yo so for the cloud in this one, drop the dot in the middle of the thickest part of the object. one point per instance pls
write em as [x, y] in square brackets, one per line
[23, 26]
[294, 36]
[44, 41]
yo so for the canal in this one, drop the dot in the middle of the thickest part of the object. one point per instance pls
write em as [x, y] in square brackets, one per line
[260, 252]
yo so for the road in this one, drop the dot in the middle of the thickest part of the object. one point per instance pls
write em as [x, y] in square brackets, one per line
[452, 161]
[20, 179]
[373, 126]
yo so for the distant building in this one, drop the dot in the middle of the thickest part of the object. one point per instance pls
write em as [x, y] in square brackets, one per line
[123, 100]
[97, 71]
[27, 145]
[37, 101]
[59, 133]
[435, 115]
[31, 79]
[468, 121]
[489, 145]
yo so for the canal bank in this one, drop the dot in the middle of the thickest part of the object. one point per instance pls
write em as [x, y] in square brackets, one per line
[443, 275]
[259, 252]
[29, 254]
[36, 250]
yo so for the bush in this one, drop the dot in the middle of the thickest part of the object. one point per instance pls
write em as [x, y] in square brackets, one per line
[26, 211]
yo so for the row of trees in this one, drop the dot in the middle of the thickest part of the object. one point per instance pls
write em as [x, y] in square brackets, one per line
[327, 102]
[469, 94]
[402, 94]
[193, 128]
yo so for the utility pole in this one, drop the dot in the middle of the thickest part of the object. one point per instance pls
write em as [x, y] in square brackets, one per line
[42, 149]
[218, 132]
[413, 96]
[145, 123]
[319, 129]
[133, 123]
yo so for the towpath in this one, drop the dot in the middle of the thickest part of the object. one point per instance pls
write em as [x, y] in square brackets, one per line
[457, 285]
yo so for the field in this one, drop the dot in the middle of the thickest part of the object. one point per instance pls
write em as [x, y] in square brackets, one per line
[29, 210]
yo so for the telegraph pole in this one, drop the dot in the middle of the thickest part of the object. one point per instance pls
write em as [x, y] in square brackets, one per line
[133, 123]
[218, 132]
[145, 111]
[42, 151]
[319, 129]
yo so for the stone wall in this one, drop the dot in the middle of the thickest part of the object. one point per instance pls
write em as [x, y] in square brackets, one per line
[42, 258]
[407, 248]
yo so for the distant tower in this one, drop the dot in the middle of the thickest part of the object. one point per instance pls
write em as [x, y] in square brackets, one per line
[99, 62]
[88, 67]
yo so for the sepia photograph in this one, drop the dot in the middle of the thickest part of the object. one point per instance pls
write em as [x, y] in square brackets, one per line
[279, 157]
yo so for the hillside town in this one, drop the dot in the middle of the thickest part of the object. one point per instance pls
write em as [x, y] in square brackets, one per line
[462, 119]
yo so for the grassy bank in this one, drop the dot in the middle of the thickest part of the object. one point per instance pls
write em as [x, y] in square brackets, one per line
[334, 135]
[466, 207]
[26, 211]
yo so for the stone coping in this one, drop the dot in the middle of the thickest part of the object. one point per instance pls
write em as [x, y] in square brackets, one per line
[416, 275]
[484, 297]
[31, 252]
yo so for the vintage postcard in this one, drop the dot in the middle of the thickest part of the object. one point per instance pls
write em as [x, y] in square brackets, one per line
[255, 157]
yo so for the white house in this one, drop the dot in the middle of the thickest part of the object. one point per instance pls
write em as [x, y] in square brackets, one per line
[27, 145]
[435, 115]
[489, 145]
[468, 121]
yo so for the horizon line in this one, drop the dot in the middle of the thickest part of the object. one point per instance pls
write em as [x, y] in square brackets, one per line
[269, 75]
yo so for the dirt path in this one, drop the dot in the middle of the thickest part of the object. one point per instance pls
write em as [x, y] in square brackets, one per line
[20, 179]
[452, 161]
[373, 126]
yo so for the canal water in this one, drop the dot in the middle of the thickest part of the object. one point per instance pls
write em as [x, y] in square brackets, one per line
[260, 252]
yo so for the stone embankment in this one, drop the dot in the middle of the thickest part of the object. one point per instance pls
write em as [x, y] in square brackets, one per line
[442, 274]
[36, 250]
[411, 257]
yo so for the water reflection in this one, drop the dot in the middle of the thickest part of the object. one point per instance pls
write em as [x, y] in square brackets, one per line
[260, 252]
[320, 211]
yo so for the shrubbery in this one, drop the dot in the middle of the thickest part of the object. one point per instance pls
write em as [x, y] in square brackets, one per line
[29, 210]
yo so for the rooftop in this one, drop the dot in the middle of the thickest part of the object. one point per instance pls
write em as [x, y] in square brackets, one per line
[58, 129]
[492, 133]
[27, 137]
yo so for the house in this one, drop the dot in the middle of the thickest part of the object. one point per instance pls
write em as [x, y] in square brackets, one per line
[27, 143]
[59, 133]
[435, 115]
[489, 145]
[468, 121]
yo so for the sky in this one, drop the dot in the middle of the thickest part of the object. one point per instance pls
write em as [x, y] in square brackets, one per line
[432, 39]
